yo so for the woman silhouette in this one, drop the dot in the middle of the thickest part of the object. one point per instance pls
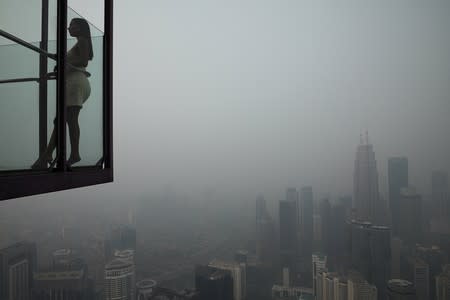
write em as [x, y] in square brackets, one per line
[78, 90]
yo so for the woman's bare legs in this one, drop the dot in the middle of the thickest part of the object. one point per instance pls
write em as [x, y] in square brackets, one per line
[74, 135]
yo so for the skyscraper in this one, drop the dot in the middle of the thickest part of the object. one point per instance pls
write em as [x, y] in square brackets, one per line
[238, 275]
[319, 266]
[17, 264]
[359, 288]
[435, 258]
[306, 212]
[371, 253]
[443, 284]
[213, 283]
[325, 216]
[306, 221]
[398, 178]
[409, 217]
[422, 279]
[365, 184]
[119, 280]
[440, 194]
[289, 231]
[265, 233]
[63, 283]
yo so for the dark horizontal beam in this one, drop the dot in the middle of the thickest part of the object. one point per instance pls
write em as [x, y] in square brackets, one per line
[33, 183]
[26, 44]
[27, 79]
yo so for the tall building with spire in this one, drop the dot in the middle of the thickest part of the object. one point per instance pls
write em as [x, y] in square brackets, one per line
[365, 184]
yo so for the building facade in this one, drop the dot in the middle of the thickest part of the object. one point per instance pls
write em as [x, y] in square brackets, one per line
[397, 179]
[17, 264]
[371, 253]
[238, 274]
[365, 184]
[213, 283]
[119, 281]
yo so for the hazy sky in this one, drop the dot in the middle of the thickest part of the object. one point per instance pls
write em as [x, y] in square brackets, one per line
[261, 95]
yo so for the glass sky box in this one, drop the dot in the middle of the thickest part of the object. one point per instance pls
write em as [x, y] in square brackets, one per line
[35, 96]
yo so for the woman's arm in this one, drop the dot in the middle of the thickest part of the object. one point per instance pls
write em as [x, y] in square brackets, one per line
[79, 57]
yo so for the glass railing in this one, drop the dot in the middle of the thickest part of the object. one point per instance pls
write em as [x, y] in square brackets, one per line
[91, 114]
[21, 103]
[19, 106]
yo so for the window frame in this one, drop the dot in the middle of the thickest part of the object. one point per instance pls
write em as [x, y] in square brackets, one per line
[21, 183]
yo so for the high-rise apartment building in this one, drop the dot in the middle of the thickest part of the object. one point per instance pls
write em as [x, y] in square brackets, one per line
[399, 289]
[397, 179]
[119, 280]
[319, 266]
[328, 292]
[340, 288]
[365, 184]
[213, 283]
[435, 258]
[238, 274]
[63, 283]
[17, 264]
[443, 284]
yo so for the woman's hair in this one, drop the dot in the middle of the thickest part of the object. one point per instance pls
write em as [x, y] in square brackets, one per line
[85, 32]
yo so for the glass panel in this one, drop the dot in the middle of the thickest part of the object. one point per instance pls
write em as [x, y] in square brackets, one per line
[85, 90]
[13, 10]
[20, 122]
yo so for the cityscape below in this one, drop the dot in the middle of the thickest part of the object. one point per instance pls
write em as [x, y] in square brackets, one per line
[359, 247]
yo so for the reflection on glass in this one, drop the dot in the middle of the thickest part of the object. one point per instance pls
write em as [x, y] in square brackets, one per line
[90, 147]
[19, 102]
[19, 106]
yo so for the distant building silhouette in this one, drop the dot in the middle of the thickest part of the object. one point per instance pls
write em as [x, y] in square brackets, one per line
[359, 288]
[371, 253]
[319, 266]
[409, 218]
[443, 284]
[213, 283]
[326, 223]
[122, 237]
[399, 289]
[119, 280]
[422, 279]
[440, 194]
[265, 234]
[238, 274]
[68, 282]
[306, 222]
[365, 185]
[435, 258]
[398, 179]
[17, 264]
[145, 289]
[289, 231]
